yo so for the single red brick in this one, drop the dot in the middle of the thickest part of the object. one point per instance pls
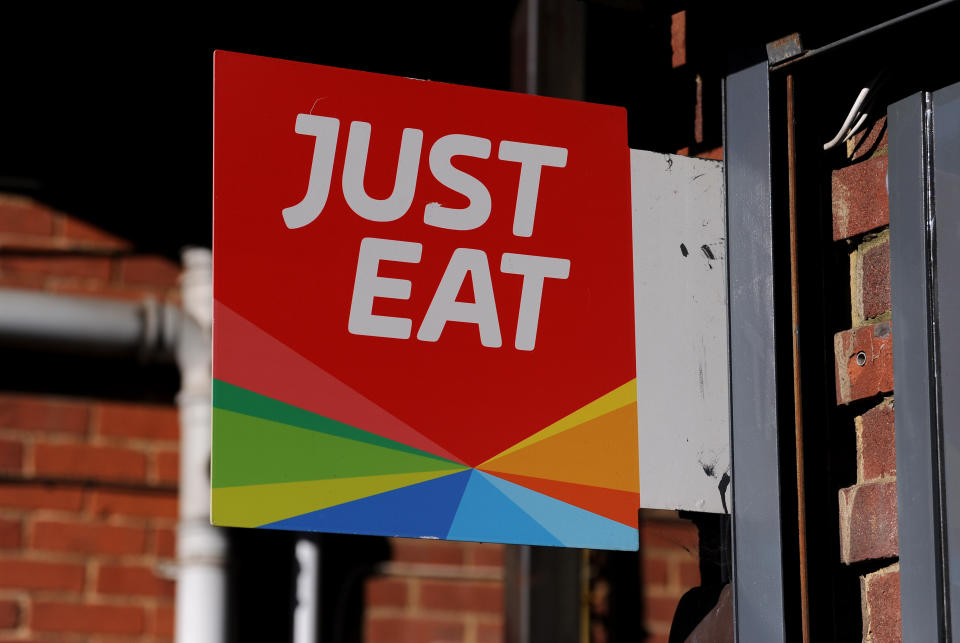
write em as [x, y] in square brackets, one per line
[99, 289]
[138, 420]
[864, 361]
[876, 444]
[868, 521]
[11, 456]
[167, 467]
[135, 503]
[155, 270]
[132, 580]
[487, 555]
[689, 574]
[408, 550]
[43, 414]
[660, 609]
[50, 616]
[681, 534]
[460, 595]
[162, 622]
[655, 571]
[880, 592]
[869, 141]
[10, 533]
[41, 496]
[32, 574]
[678, 39]
[414, 629]
[88, 461]
[490, 633]
[74, 266]
[860, 197]
[81, 233]
[874, 267]
[23, 216]
[88, 537]
[22, 281]
[9, 614]
[164, 542]
[386, 592]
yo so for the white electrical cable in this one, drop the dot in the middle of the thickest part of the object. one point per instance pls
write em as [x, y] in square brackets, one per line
[853, 130]
[850, 116]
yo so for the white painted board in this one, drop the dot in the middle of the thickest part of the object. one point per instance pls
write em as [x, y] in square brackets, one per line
[681, 324]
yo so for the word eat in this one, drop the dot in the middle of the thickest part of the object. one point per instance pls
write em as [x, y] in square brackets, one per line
[444, 306]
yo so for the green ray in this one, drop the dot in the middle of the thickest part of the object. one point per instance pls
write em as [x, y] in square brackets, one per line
[251, 450]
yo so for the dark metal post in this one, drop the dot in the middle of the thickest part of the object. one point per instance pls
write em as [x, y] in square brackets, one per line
[757, 549]
[918, 486]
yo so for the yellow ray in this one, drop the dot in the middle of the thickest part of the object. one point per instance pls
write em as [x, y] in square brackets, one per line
[260, 504]
[615, 399]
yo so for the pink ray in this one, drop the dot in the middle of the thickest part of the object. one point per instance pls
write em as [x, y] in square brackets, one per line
[247, 356]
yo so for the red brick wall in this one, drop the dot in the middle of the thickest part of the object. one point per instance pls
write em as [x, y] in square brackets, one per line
[437, 592]
[864, 374]
[670, 567]
[88, 500]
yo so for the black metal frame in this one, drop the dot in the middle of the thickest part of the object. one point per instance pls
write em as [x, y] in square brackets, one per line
[924, 185]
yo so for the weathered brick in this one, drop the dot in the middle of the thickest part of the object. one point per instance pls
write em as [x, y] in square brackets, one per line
[490, 633]
[81, 233]
[43, 414]
[11, 456]
[9, 614]
[75, 266]
[162, 622]
[880, 605]
[461, 595]
[34, 574]
[88, 461]
[689, 574]
[138, 420]
[875, 279]
[10, 533]
[164, 542]
[55, 616]
[873, 346]
[672, 535]
[167, 467]
[41, 496]
[386, 592]
[486, 555]
[414, 629]
[868, 521]
[659, 609]
[408, 550]
[132, 580]
[134, 503]
[678, 39]
[859, 194]
[876, 444]
[149, 269]
[88, 538]
[869, 141]
[23, 216]
[655, 571]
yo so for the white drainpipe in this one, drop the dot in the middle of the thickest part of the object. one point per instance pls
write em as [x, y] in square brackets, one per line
[154, 331]
[201, 548]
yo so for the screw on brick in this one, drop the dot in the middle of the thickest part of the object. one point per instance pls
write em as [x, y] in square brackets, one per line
[864, 361]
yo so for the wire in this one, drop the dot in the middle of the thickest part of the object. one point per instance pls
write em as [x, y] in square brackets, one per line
[850, 116]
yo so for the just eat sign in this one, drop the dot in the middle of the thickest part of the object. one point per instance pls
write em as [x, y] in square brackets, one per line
[423, 317]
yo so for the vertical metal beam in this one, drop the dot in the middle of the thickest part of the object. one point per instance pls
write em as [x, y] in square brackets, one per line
[946, 180]
[911, 226]
[757, 550]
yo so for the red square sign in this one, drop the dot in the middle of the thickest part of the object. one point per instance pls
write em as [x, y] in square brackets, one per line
[423, 309]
